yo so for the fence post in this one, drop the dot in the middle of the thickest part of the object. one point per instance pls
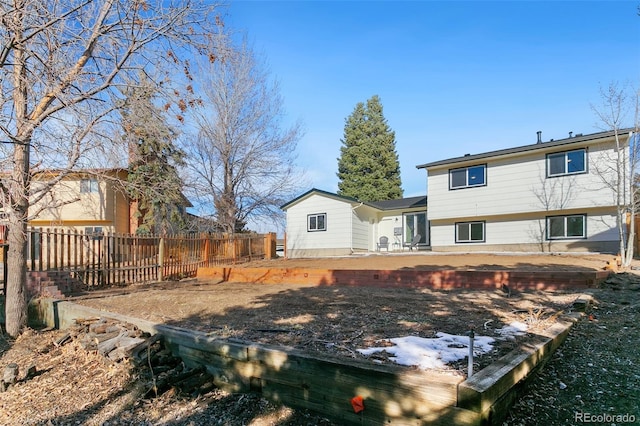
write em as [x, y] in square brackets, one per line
[270, 245]
[161, 260]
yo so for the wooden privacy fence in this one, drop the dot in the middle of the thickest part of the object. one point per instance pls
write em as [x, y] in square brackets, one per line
[99, 259]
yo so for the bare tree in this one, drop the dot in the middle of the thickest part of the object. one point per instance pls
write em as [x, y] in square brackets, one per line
[619, 172]
[241, 162]
[60, 65]
[552, 194]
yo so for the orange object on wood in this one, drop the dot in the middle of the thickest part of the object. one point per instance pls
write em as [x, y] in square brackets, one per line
[357, 403]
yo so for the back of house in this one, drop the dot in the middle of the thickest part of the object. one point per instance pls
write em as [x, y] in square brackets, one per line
[549, 196]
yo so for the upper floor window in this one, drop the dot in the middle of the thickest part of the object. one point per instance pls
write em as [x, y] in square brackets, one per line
[567, 163]
[470, 232]
[561, 227]
[93, 232]
[317, 222]
[468, 177]
[88, 185]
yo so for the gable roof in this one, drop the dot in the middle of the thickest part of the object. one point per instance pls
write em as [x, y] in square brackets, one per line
[531, 147]
[319, 192]
[400, 203]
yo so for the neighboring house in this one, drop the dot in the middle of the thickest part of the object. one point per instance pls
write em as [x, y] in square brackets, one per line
[91, 201]
[547, 196]
[321, 223]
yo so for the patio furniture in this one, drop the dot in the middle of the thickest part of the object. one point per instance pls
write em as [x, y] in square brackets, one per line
[414, 242]
[383, 243]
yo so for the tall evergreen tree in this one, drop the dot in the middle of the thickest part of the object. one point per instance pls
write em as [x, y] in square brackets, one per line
[153, 180]
[368, 167]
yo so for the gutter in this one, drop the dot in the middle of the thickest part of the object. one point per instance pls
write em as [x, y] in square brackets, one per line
[351, 227]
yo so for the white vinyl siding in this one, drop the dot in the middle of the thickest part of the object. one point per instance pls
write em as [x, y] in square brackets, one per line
[361, 232]
[525, 230]
[518, 185]
[338, 221]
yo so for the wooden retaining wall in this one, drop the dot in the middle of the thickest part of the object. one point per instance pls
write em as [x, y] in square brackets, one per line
[441, 280]
[325, 384]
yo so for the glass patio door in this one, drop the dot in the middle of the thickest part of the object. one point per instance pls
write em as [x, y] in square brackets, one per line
[416, 223]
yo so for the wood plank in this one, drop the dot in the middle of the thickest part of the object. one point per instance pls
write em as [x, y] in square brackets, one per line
[486, 387]
[202, 341]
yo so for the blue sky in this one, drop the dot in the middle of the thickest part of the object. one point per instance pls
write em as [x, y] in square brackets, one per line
[454, 77]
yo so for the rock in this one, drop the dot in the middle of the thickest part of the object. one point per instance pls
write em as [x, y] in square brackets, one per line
[10, 374]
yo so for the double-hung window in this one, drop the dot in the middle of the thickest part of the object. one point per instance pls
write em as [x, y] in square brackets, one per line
[317, 222]
[563, 227]
[567, 163]
[467, 177]
[470, 232]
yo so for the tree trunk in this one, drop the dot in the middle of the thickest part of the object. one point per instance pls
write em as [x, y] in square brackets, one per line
[16, 298]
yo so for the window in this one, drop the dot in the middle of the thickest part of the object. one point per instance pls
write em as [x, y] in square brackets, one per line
[317, 222]
[567, 163]
[562, 227]
[93, 232]
[470, 232]
[467, 177]
[88, 185]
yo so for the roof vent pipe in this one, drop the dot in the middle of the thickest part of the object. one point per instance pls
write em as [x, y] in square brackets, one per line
[539, 136]
[570, 134]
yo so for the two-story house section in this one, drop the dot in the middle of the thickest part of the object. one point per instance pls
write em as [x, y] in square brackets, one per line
[548, 196]
[90, 201]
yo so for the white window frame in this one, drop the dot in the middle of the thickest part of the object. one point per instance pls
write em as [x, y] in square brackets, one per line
[314, 218]
[567, 161]
[564, 219]
[468, 183]
[94, 232]
[469, 224]
[89, 186]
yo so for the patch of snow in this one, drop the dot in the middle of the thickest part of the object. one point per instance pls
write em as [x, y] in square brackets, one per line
[512, 330]
[427, 353]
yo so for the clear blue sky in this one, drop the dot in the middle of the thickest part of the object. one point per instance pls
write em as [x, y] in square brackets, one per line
[454, 77]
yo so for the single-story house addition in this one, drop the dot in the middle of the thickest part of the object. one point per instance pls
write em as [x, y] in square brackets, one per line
[321, 223]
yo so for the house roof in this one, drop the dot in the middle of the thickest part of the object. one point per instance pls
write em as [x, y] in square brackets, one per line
[525, 148]
[320, 192]
[400, 203]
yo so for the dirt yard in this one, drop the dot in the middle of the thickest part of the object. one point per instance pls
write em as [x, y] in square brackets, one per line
[340, 320]
[435, 261]
[74, 386]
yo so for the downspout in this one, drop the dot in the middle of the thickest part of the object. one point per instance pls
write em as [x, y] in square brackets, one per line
[351, 227]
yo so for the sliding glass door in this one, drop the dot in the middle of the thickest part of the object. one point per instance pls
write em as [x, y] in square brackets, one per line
[416, 224]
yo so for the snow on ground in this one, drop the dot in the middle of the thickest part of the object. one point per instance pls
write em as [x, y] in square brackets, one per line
[512, 330]
[435, 353]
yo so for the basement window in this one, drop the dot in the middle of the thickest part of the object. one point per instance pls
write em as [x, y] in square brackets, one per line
[470, 232]
[564, 227]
